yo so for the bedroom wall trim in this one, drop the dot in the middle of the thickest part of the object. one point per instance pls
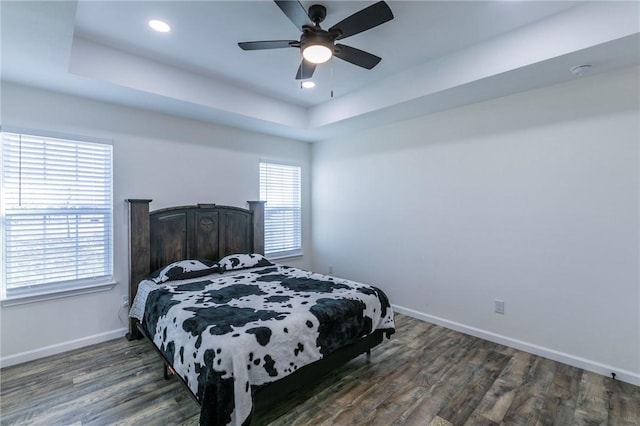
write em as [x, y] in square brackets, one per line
[94, 288]
[575, 361]
[58, 348]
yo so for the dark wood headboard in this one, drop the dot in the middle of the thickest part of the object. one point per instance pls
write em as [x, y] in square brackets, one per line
[203, 231]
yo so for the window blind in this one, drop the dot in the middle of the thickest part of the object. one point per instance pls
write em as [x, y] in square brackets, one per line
[56, 212]
[280, 188]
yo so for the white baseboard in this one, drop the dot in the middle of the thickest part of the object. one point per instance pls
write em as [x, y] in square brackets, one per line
[585, 364]
[19, 358]
[589, 365]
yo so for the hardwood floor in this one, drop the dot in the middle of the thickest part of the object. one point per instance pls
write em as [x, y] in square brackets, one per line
[425, 375]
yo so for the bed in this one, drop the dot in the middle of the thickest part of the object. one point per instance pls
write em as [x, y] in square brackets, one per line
[238, 330]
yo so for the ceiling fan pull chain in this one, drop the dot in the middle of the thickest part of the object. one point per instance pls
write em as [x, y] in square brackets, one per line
[301, 70]
[332, 78]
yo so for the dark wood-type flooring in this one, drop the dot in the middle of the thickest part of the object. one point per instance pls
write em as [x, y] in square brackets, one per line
[425, 375]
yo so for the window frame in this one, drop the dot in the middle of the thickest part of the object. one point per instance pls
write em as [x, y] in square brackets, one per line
[296, 251]
[60, 289]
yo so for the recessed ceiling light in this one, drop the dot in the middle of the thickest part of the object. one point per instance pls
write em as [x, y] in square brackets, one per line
[160, 26]
[308, 84]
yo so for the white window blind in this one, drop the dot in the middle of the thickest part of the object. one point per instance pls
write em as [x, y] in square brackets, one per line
[280, 188]
[56, 214]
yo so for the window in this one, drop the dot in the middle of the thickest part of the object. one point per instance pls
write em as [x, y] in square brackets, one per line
[56, 215]
[280, 188]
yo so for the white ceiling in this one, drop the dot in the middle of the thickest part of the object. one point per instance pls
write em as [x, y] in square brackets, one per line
[436, 55]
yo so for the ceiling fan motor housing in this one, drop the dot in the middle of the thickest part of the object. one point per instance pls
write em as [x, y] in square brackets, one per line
[312, 37]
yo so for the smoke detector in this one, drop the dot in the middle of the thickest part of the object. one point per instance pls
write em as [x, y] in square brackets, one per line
[580, 70]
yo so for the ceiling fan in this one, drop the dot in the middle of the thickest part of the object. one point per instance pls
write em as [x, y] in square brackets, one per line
[318, 45]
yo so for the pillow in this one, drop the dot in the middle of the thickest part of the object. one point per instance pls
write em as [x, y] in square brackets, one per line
[242, 261]
[183, 270]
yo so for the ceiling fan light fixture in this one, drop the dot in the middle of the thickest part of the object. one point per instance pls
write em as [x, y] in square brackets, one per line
[317, 53]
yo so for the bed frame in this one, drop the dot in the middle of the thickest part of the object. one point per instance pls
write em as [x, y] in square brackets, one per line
[209, 231]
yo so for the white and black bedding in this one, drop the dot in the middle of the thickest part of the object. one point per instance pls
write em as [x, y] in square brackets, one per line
[245, 322]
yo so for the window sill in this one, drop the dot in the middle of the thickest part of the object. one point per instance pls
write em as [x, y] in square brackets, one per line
[285, 256]
[40, 297]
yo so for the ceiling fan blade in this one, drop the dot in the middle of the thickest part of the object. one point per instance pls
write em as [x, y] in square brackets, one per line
[305, 70]
[367, 18]
[295, 12]
[356, 56]
[270, 44]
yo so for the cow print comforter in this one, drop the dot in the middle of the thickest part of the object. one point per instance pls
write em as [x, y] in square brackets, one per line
[225, 333]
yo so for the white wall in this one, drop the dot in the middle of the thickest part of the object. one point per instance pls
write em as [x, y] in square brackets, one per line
[171, 160]
[532, 199]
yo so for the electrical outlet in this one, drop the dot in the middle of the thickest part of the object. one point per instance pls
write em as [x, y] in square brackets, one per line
[499, 306]
[125, 301]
